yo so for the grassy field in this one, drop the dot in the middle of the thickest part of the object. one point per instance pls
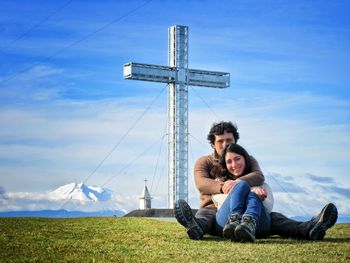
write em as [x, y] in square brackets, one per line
[149, 240]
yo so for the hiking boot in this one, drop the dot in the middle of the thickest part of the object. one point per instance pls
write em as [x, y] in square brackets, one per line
[183, 214]
[229, 229]
[324, 220]
[245, 231]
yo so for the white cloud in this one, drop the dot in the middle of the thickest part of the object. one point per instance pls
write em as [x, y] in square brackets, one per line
[283, 184]
[306, 198]
[23, 201]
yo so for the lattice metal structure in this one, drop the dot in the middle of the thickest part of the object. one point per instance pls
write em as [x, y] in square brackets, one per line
[178, 77]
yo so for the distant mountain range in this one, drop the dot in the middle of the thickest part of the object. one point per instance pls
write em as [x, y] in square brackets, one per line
[61, 213]
[82, 196]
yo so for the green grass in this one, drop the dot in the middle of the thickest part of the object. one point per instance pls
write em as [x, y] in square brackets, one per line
[149, 240]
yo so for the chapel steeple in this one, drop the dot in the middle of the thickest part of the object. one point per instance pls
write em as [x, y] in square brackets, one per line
[145, 198]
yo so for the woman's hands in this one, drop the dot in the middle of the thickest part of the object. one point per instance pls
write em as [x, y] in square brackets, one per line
[261, 192]
[228, 185]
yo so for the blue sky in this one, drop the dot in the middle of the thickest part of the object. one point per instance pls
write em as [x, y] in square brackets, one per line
[64, 105]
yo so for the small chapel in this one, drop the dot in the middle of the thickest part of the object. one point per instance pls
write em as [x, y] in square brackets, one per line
[145, 198]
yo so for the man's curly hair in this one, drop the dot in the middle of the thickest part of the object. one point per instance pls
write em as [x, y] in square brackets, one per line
[220, 128]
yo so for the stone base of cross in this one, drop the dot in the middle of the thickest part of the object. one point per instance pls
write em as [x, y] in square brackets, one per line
[178, 77]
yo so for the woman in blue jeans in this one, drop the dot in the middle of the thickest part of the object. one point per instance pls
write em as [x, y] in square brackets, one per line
[242, 216]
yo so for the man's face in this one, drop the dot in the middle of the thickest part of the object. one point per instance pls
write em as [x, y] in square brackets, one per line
[221, 141]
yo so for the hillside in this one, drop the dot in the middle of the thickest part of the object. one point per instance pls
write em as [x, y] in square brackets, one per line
[111, 239]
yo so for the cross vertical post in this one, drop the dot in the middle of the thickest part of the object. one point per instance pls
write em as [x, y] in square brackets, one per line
[178, 116]
[178, 77]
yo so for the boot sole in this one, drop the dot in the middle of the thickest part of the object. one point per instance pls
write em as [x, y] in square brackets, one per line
[184, 216]
[329, 216]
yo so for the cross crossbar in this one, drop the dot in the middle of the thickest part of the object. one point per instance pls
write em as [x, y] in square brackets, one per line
[165, 74]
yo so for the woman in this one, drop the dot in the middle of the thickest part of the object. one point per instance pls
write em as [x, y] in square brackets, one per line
[242, 215]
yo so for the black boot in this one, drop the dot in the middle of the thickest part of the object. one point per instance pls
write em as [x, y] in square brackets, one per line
[324, 220]
[315, 229]
[229, 229]
[245, 231]
[183, 214]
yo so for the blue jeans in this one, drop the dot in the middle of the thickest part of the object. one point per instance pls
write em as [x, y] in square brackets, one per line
[243, 201]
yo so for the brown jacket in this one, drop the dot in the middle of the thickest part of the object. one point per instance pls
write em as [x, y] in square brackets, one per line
[207, 169]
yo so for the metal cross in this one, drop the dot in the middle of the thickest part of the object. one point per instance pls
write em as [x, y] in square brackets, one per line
[178, 77]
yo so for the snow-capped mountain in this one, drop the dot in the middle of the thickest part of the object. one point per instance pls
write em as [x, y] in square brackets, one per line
[80, 192]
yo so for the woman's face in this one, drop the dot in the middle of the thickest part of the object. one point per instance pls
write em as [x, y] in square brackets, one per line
[235, 163]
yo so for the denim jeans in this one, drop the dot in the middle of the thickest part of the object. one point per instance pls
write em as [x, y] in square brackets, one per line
[244, 202]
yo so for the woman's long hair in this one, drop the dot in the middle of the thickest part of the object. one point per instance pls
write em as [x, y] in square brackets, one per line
[236, 148]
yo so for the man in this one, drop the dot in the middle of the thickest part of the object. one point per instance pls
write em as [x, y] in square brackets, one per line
[210, 178]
